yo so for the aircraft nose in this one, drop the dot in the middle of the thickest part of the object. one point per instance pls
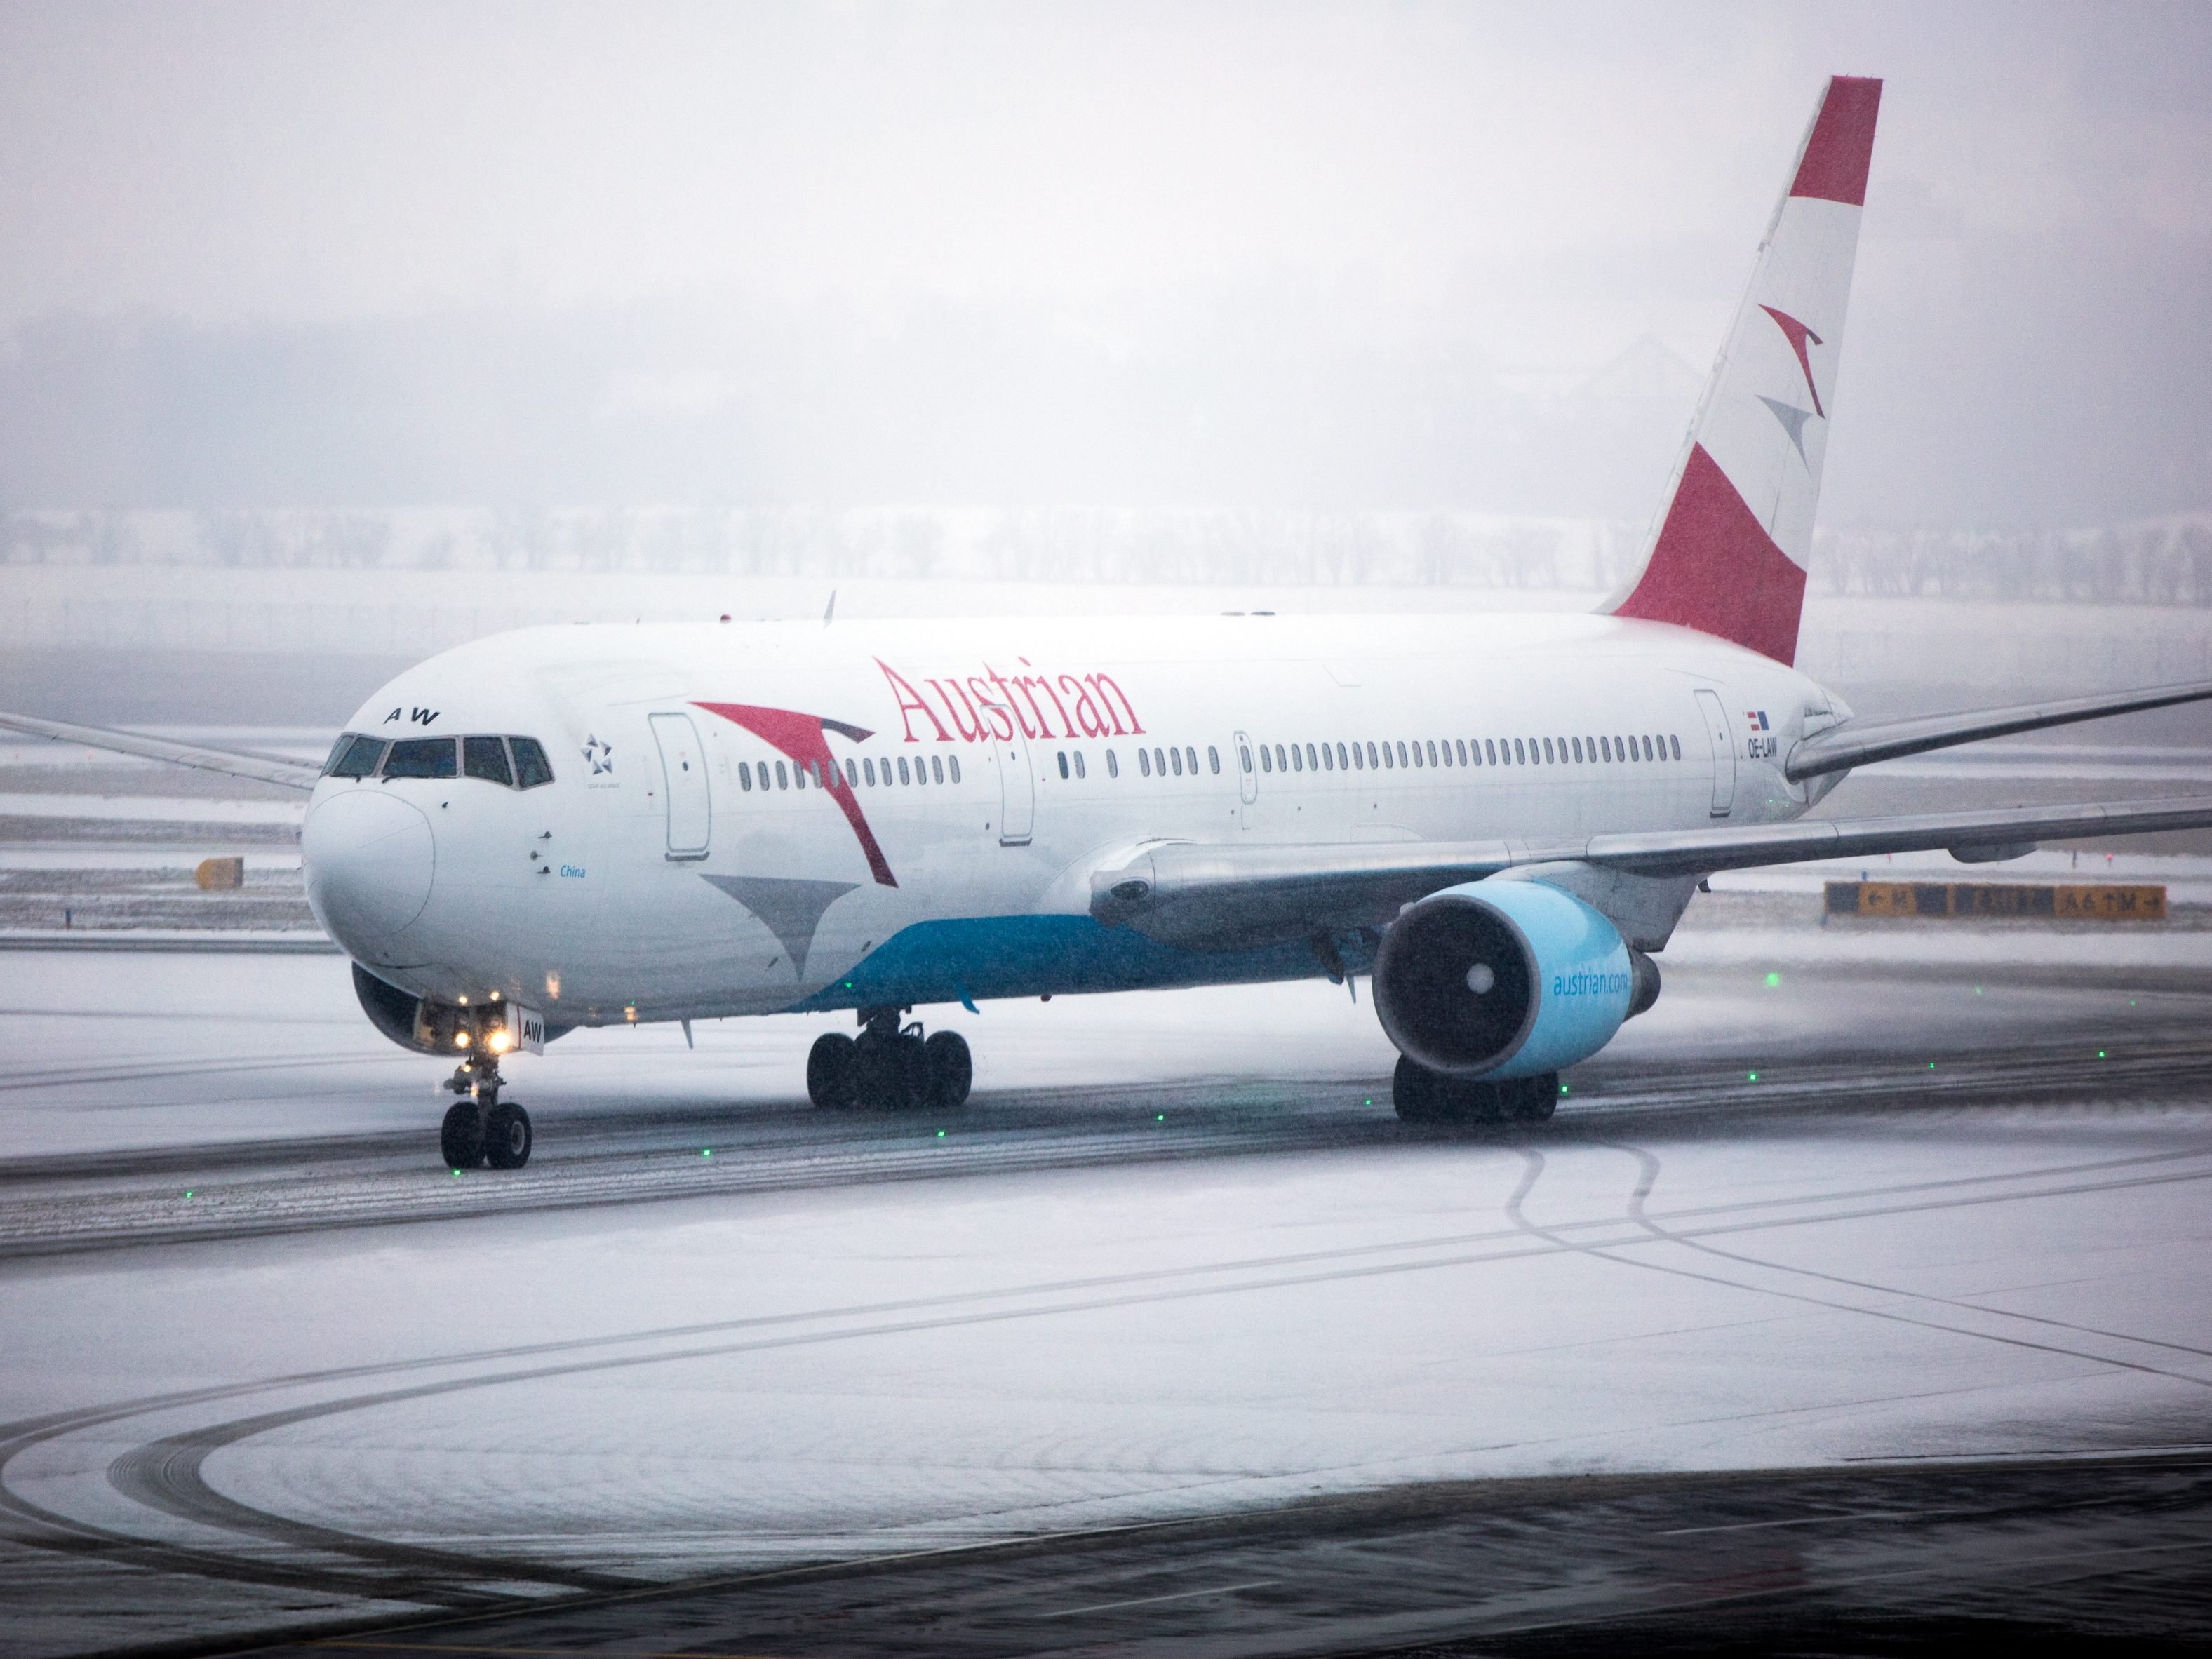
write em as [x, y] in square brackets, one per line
[368, 859]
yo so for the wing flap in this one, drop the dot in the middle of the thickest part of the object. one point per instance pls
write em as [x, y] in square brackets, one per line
[289, 774]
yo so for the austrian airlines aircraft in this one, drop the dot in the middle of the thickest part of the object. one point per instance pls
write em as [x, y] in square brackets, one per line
[1499, 819]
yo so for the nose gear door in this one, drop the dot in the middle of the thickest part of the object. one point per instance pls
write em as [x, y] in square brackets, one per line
[683, 765]
[1717, 732]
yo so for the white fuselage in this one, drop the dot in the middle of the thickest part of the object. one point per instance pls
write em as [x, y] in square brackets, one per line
[687, 860]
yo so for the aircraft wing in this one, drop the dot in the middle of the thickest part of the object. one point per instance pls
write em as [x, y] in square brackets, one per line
[1220, 896]
[263, 769]
[1861, 743]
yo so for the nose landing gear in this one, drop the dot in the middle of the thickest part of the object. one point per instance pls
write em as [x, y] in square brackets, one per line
[483, 1129]
[888, 1065]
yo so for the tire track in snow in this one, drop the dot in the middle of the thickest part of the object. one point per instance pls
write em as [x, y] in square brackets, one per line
[168, 1474]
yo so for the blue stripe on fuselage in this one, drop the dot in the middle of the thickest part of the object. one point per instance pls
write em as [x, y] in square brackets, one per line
[1049, 956]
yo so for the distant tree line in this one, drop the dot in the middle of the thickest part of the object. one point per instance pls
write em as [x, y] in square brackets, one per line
[2159, 561]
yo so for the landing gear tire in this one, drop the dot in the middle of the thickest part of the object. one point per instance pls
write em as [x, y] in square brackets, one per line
[951, 1069]
[1422, 1095]
[1532, 1099]
[891, 1071]
[507, 1136]
[833, 1071]
[461, 1138]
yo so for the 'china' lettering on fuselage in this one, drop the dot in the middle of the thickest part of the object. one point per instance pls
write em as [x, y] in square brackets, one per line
[980, 707]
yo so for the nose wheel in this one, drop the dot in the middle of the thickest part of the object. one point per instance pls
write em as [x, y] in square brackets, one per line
[483, 1128]
[888, 1065]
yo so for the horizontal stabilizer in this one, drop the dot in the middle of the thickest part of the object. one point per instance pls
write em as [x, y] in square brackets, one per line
[263, 769]
[1860, 743]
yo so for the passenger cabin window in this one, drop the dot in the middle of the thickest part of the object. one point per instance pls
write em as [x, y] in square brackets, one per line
[354, 757]
[486, 758]
[1212, 759]
[1113, 764]
[420, 757]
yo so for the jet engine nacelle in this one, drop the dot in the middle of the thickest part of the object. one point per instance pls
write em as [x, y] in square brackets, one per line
[1506, 979]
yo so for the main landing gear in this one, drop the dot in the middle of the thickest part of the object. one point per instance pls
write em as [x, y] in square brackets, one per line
[1426, 1096]
[888, 1065]
[483, 1129]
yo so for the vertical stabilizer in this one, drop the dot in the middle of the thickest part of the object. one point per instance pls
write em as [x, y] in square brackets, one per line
[1728, 554]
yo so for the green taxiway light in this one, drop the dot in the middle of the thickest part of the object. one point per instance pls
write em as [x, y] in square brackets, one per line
[1159, 1117]
[1563, 1088]
[705, 1151]
[1751, 1077]
[941, 1134]
[2100, 1054]
[188, 1192]
[1773, 981]
[456, 1175]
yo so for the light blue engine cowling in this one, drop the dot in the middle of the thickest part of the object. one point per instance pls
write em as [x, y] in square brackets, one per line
[1506, 979]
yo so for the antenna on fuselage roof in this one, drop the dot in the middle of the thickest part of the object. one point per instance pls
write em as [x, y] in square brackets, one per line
[830, 609]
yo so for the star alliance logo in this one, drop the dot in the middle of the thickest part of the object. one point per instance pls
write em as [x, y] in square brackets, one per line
[600, 754]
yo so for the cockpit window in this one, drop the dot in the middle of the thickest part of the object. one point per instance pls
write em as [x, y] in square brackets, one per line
[485, 758]
[530, 766]
[353, 757]
[420, 757]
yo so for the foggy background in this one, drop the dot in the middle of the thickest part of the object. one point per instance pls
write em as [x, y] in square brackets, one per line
[1353, 297]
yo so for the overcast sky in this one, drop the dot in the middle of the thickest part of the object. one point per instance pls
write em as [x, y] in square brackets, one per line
[1528, 187]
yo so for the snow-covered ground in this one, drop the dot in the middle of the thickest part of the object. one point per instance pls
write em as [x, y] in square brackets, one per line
[670, 1389]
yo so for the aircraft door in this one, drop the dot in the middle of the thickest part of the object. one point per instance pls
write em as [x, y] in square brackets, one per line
[1723, 746]
[683, 765]
[1247, 781]
[1017, 787]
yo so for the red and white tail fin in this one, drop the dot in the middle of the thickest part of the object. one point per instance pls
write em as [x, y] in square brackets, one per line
[1727, 555]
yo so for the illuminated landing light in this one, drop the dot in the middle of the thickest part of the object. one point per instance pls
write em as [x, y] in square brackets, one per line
[1773, 981]
[460, 1039]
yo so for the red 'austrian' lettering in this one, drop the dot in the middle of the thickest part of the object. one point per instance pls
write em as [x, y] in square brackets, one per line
[981, 708]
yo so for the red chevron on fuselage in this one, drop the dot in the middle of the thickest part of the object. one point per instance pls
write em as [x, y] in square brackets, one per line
[801, 736]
